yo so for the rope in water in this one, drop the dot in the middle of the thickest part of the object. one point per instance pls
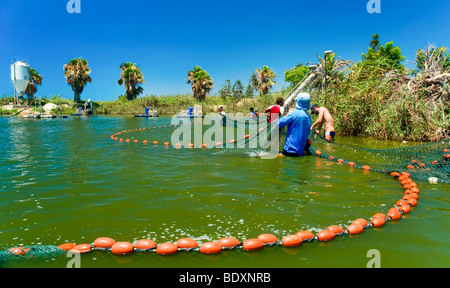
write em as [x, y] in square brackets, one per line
[119, 137]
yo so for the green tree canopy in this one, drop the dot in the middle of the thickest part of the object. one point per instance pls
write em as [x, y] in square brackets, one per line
[296, 74]
[388, 55]
[201, 82]
[77, 75]
[225, 92]
[237, 90]
[131, 77]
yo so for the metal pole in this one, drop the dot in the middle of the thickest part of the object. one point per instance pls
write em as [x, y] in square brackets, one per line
[14, 81]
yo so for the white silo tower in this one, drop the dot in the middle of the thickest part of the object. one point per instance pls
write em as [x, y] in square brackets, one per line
[20, 76]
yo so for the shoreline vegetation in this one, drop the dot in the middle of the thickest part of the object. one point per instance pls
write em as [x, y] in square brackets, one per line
[377, 97]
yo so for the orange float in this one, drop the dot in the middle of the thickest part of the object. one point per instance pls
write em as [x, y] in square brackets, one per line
[379, 215]
[352, 164]
[82, 248]
[210, 247]
[145, 244]
[394, 214]
[366, 167]
[104, 242]
[355, 228]
[186, 243]
[155, 142]
[360, 221]
[66, 246]
[267, 238]
[252, 244]
[340, 161]
[395, 174]
[411, 201]
[305, 235]
[336, 229]
[122, 248]
[291, 240]
[378, 221]
[415, 190]
[405, 208]
[166, 248]
[145, 141]
[228, 242]
[318, 153]
[325, 235]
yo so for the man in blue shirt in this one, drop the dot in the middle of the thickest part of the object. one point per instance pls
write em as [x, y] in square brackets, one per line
[299, 123]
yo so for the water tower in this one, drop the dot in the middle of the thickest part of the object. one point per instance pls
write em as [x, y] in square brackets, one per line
[20, 76]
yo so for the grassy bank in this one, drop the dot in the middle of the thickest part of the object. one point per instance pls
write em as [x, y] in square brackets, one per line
[381, 109]
[173, 104]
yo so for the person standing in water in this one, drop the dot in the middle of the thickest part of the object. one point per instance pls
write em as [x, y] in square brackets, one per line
[298, 122]
[325, 119]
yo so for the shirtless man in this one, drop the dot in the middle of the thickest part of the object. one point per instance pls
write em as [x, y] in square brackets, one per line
[324, 118]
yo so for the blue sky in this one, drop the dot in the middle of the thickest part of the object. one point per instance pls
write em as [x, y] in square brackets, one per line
[228, 38]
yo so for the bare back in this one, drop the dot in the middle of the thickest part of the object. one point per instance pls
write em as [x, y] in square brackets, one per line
[325, 119]
[328, 120]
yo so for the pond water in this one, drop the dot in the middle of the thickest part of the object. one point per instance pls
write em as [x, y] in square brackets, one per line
[66, 180]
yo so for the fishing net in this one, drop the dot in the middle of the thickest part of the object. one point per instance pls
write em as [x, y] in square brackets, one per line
[36, 253]
[425, 161]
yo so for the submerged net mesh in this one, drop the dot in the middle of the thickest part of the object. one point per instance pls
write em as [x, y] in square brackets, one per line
[36, 253]
[422, 161]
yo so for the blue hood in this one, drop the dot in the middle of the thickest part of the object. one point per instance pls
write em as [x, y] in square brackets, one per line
[303, 102]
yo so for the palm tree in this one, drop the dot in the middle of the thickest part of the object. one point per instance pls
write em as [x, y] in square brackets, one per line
[36, 79]
[201, 82]
[329, 67]
[265, 79]
[131, 77]
[77, 75]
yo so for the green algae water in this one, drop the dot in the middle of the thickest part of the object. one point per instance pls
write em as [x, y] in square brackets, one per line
[66, 180]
